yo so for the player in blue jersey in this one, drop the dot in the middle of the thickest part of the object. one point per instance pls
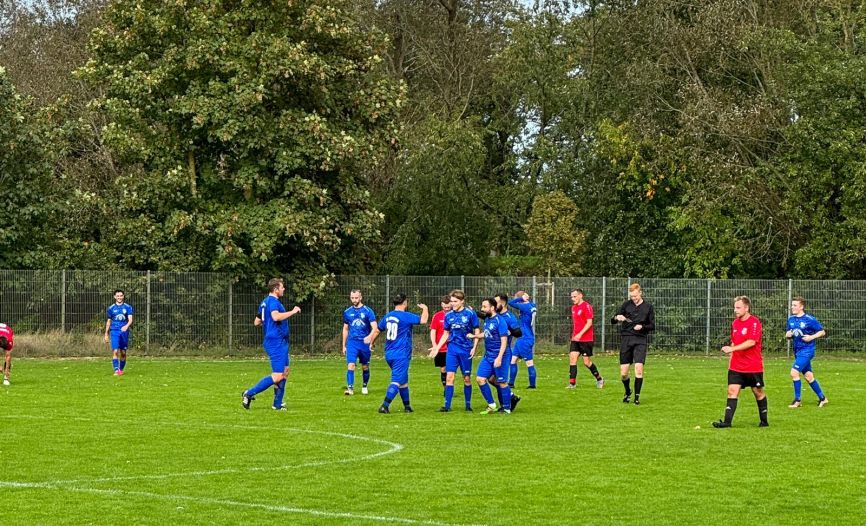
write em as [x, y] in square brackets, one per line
[397, 326]
[496, 360]
[117, 324]
[524, 348]
[513, 332]
[359, 328]
[459, 323]
[274, 320]
[804, 329]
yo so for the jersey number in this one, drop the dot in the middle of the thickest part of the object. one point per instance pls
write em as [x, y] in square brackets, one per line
[391, 329]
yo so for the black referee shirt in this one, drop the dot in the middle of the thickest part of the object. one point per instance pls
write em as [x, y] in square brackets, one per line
[642, 314]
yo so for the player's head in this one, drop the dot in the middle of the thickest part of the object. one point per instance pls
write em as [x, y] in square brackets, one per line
[501, 301]
[488, 306]
[400, 301]
[798, 305]
[576, 296]
[458, 299]
[276, 287]
[4, 343]
[445, 303]
[635, 293]
[119, 296]
[355, 297]
[742, 306]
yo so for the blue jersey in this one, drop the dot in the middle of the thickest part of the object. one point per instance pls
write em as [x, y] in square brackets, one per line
[397, 326]
[119, 315]
[458, 325]
[527, 316]
[494, 329]
[802, 325]
[360, 321]
[273, 330]
[512, 323]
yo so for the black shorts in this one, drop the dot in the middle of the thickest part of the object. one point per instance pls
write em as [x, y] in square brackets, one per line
[632, 350]
[582, 348]
[439, 359]
[745, 379]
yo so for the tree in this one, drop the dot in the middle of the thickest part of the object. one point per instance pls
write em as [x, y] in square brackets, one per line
[553, 234]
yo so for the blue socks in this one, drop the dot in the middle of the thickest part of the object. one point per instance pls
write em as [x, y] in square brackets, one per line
[350, 378]
[505, 400]
[513, 375]
[532, 375]
[817, 388]
[798, 389]
[122, 364]
[366, 375]
[263, 384]
[404, 395]
[449, 395]
[279, 392]
[487, 393]
[467, 394]
[498, 393]
[392, 393]
[114, 363]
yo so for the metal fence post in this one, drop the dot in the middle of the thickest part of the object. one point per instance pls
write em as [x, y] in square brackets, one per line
[709, 307]
[790, 297]
[63, 301]
[312, 322]
[230, 315]
[603, 308]
[387, 291]
[147, 318]
[534, 288]
[463, 283]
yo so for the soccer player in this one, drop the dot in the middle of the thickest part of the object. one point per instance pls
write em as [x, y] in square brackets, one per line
[495, 360]
[117, 323]
[513, 332]
[804, 329]
[7, 341]
[437, 327]
[582, 338]
[524, 348]
[459, 323]
[397, 326]
[359, 322]
[746, 368]
[274, 319]
[637, 319]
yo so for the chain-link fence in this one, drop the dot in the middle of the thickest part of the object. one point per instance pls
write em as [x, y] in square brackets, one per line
[60, 312]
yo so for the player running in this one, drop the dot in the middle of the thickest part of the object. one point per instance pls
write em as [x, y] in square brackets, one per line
[804, 329]
[582, 338]
[496, 357]
[7, 341]
[437, 327]
[459, 323]
[637, 319]
[747, 363]
[397, 326]
[524, 348]
[274, 319]
[118, 321]
[359, 328]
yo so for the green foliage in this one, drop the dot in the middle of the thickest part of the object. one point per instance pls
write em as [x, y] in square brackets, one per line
[553, 235]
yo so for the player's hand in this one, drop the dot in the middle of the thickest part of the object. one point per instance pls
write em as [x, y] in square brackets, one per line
[574, 338]
[525, 297]
[105, 338]
[472, 353]
[789, 334]
[619, 317]
[124, 328]
[808, 337]
[497, 363]
[638, 327]
[727, 349]
[422, 306]
[368, 340]
[433, 352]
[343, 351]
[296, 310]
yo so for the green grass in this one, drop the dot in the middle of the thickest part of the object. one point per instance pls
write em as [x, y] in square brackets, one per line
[169, 444]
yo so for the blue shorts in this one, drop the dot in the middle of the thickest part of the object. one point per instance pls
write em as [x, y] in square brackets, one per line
[279, 356]
[803, 362]
[399, 369]
[357, 350]
[119, 340]
[485, 368]
[524, 348]
[454, 358]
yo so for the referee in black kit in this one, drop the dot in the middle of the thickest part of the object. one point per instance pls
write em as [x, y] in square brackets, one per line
[637, 319]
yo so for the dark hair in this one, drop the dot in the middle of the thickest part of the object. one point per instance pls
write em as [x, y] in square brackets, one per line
[399, 299]
[4, 343]
[355, 290]
[799, 299]
[274, 284]
[491, 301]
[445, 299]
[579, 291]
[120, 291]
[457, 293]
[501, 295]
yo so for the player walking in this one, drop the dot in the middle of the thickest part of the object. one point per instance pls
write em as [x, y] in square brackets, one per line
[459, 323]
[359, 324]
[746, 368]
[582, 338]
[117, 324]
[524, 348]
[437, 327]
[397, 326]
[7, 341]
[804, 329]
[495, 361]
[637, 319]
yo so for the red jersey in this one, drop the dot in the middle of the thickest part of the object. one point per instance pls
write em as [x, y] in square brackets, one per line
[750, 360]
[6, 331]
[437, 324]
[580, 313]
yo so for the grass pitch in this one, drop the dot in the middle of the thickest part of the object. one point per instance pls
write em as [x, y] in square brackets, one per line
[169, 443]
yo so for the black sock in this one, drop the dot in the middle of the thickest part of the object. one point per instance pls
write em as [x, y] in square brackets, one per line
[594, 370]
[626, 382]
[730, 409]
[762, 409]
[572, 372]
[638, 383]
[442, 376]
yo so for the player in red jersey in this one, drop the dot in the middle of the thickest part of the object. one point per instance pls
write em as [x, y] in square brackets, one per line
[582, 338]
[7, 341]
[437, 327]
[747, 364]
